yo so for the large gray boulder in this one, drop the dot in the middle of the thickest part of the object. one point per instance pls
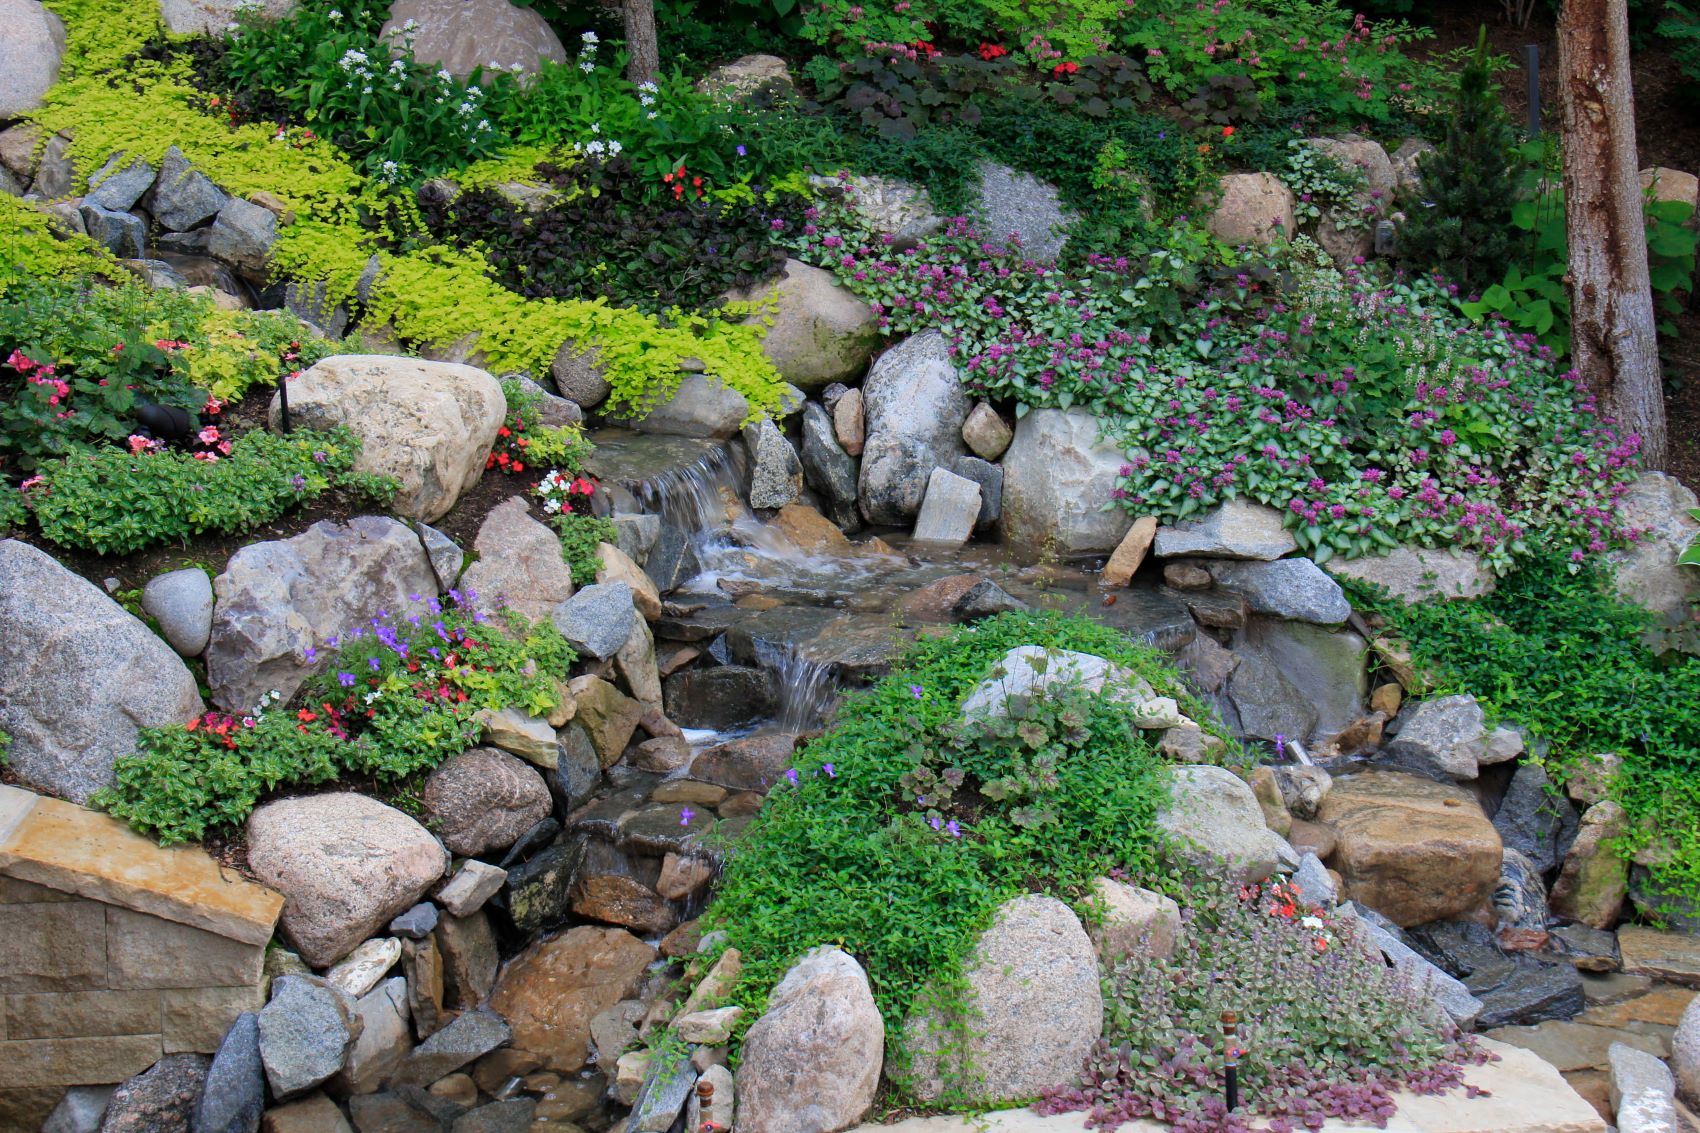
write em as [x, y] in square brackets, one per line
[820, 333]
[1295, 589]
[1037, 1009]
[1238, 529]
[78, 676]
[1058, 475]
[461, 36]
[305, 1032]
[183, 198]
[1417, 574]
[1294, 679]
[279, 602]
[1016, 204]
[211, 17]
[1647, 571]
[242, 236]
[812, 1061]
[914, 407]
[1215, 821]
[1442, 738]
[597, 620]
[483, 801]
[519, 563]
[32, 45]
[428, 424]
[345, 864]
[702, 406]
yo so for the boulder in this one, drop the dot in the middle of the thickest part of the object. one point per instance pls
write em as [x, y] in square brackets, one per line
[1671, 185]
[1643, 1093]
[990, 478]
[1058, 475]
[701, 407]
[519, 563]
[914, 409]
[183, 198]
[1405, 159]
[384, 1040]
[181, 601]
[984, 599]
[1037, 1009]
[828, 469]
[1031, 669]
[605, 716]
[1416, 574]
[1239, 529]
[1300, 681]
[1135, 922]
[161, 1099]
[78, 676]
[235, 1093]
[615, 566]
[461, 36]
[32, 45]
[345, 865]
[1410, 848]
[1295, 589]
[746, 75]
[721, 698]
[639, 674]
[949, 510]
[1685, 1053]
[820, 332]
[482, 801]
[1443, 990]
[428, 424]
[1514, 988]
[212, 17]
[1647, 572]
[279, 602]
[887, 205]
[578, 376]
[754, 763]
[849, 422]
[1442, 738]
[597, 620]
[1594, 880]
[1302, 789]
[539, 889]
[532, 738]
[54, 176]
[1009, 203]
[121, 233]
[550, 992]
[1534, 820]
[305, 1033]
[242, 236]
[1254, 208]
[118, 185]
[776, 475]
[813, 1060]
[1215, 819]
[1671, 956]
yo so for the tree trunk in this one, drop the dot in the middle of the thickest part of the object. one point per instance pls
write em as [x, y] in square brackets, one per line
[643, 55]
[1613, 332]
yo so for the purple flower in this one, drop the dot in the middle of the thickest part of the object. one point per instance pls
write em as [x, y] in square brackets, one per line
[345, 679]
[741, 151]
[311, 654]
[917, 691]
[934, 822]
[953, 829]
[791, 774]
[830, 773]
[320, 457]
[685, 816]
[374, 663]
[1280, 745]
[298, 482]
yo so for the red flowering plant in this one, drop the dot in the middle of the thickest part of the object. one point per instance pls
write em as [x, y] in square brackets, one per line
[387, 698]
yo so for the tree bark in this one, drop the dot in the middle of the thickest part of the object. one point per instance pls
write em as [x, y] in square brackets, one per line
[643, 54]
[1613, 331]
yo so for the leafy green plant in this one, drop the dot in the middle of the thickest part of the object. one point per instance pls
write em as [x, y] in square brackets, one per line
[580, 534]
[1320, 182]
[394, 697]
[1691, 553]
[114, 501]
[1680, 26]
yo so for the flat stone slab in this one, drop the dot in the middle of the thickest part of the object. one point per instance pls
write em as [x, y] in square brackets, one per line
[76, 850]
[1673, 956]
[1525, 1095]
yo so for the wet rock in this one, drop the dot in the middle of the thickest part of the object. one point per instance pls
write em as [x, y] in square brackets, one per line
[820, 333]
[1057, 474]
[551, 991]
[345, 865]
[1442, 989]
[1520, 904]
[636, 535]
[1410, 848]
[467, 945]
[985, 433]
[682, 876]
[597, 620]
[1208, 666]
[280, 602]
[1643, 1093]
[1135, 921]
[1296, 680]
[1442, 738]
[78, 676]
[461, 36]
[949, 510]
[827, 468]
[305, 1033]
[776, 478]
[755, 763]
[1303, 788]
[1019, 205]
[1586, 949]
[483, 800]
[1033, 983]
[1670, 956]
[1252, 208]
[471, 1035]
[474, 883]
[513, 1115]
[661, 754]
[984, 599]
[721, 698]
[1215, 816]
[1295, 589]
[614, 565]
[849, 422]
[914, 409]
[538, 891]
[1239, 529]
[1534, 819]
[701, 407]
[609, 888]
[1594, 880]
[639, 676]
[664, 829]
[810, 531]
[1418, 574]
[813, 1059]
[1647, 572]
[161, 1099]
[234, 1096]
[605, 716]
[242, 236]
[1514, 987]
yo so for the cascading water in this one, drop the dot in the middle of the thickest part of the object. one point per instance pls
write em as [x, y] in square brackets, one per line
[804, 690]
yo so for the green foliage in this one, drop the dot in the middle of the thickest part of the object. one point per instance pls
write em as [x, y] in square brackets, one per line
[116, 502]
[1459, 223]
[1680, 26]
[1320, 182]
[843, 854]
[601, 235]
[398, 696]
[580, 534]
[1555, 650]
[1691, 553]
[329, 64]
[33, 247]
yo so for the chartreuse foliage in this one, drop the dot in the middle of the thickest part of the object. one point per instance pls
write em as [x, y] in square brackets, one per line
[30, 247]
[899, 832]
[1554, 649]
[395, 697]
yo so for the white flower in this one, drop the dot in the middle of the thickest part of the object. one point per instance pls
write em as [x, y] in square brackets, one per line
[596, 127]
[1312, 922]
[445, 76]
[484, 123]
[474, 92]
[648, 86]
[590, 37]
[333, 16]
[614, 149]
[516, 68]
[410, 25]
[646, 100]
[652, 116]
[587, 68]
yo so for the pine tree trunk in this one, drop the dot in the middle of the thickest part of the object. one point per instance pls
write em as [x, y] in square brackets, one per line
[1613, 330]
[643, 54]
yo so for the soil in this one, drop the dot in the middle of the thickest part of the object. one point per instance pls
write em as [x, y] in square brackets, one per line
[1667, 130]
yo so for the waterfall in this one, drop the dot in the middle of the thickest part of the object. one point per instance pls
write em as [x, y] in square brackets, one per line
[804, 690]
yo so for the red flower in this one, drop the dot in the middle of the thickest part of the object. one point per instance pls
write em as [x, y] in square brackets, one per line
[306, 716]
[503, 432]
[990, 51]
[1062, 69]
[1227, 131]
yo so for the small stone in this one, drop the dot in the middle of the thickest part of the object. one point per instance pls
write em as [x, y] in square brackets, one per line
[1643, 1093]
[682, 876]
[1130, 552]
[1672, 956]
[1296, 589]
[305, 1032]
[1503, 745]
[1386, 699]
[359, 972]
[711, 1027]
[1187, 576]
[458, 1088]
[629, 1073]
[1239, 529]
[416, 923]
[985, 433]
[661, 754]
[422, 963]
[847, 425]
[949, 509]
[312, 1114]
[235, 1093]
[1302, 789]
[985, 599]
[474, 883]
[1135, 921]
[181, 601]
[469, 1036]
[1314, 883]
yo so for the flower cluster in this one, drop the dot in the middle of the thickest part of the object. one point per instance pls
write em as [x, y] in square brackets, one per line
[563, 494]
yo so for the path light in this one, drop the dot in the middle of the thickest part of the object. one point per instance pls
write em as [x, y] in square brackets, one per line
[1231, 1066]
[705, 1100]
[283, 402]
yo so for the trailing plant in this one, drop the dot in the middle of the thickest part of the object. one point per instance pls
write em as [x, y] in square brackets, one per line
[32, 247]
[1326, 1028]
[1556, 650]
[116, 501]
[843, 852]
[393, 697]
[1318, 182]
[581, 533]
